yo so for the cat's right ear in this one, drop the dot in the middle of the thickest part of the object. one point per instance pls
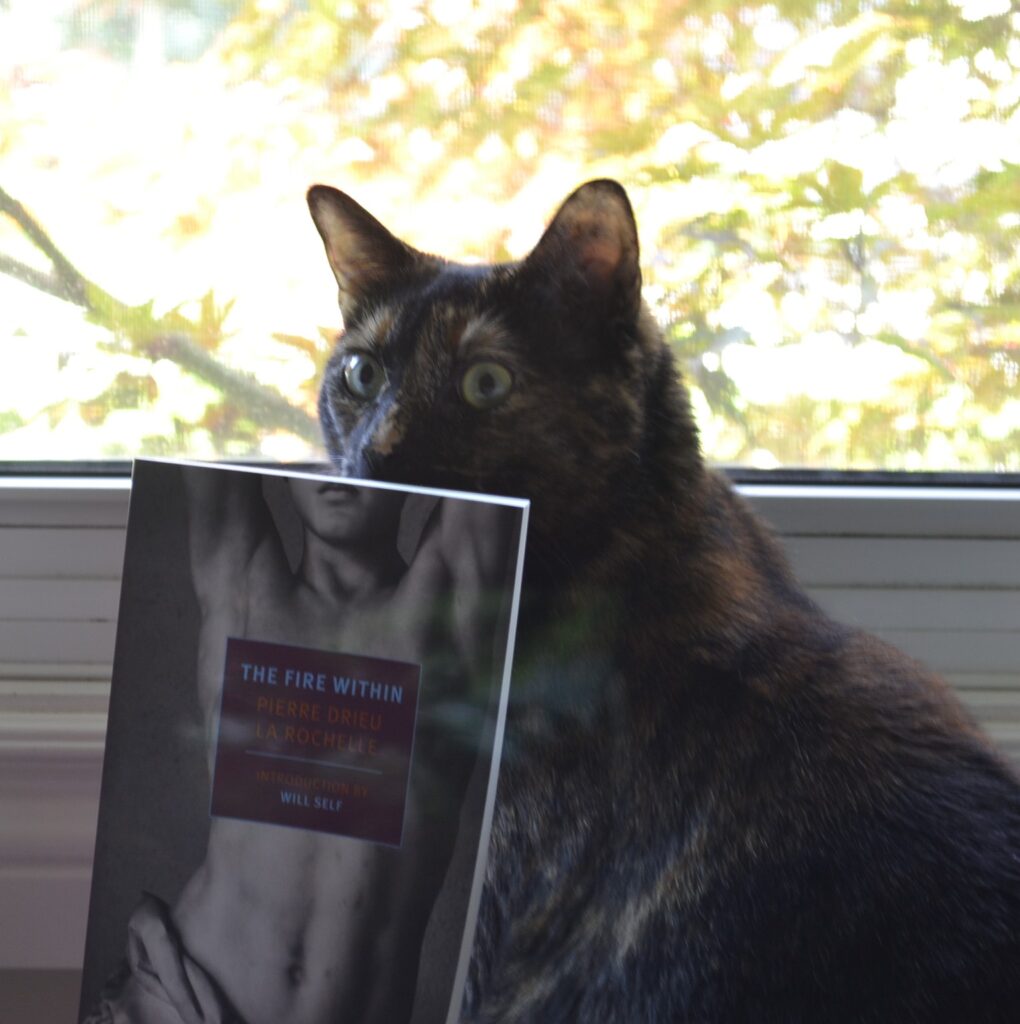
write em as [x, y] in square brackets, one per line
[362, 253]
[590, 250]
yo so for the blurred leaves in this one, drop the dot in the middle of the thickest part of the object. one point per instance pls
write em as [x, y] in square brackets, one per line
[827, 196]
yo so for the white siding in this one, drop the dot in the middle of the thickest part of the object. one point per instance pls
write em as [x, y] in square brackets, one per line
[61, 549]
[936, 572]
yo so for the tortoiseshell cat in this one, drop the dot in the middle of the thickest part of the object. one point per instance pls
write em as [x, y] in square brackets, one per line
[716, 804]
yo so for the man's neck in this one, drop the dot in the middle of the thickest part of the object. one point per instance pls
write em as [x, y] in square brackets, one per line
[356, 571]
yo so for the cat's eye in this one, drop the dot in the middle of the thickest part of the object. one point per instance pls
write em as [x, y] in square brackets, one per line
[363, 375]
[486, 384]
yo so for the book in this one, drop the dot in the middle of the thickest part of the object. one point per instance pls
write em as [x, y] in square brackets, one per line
[309, 688]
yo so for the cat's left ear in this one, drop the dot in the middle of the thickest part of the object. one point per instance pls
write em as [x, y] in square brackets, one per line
[591, 248]
[362, 253]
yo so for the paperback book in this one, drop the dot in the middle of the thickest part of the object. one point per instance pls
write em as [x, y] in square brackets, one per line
[306, 714]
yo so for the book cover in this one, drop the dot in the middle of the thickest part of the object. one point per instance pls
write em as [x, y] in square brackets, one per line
[306, 713]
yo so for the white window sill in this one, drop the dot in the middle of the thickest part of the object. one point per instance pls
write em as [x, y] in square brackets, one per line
[935, 570]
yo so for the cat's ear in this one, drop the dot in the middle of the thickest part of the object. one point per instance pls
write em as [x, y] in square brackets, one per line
[362, 253]
[591, 247]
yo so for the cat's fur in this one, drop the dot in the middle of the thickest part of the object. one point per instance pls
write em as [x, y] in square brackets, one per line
[716, 804]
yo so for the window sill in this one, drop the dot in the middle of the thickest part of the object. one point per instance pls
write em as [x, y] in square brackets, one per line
[934, 569]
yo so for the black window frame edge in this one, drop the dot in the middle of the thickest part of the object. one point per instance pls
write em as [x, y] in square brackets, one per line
[741, 475]
[873, 478]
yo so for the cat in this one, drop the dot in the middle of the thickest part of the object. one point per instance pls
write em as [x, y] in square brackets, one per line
[715, 803]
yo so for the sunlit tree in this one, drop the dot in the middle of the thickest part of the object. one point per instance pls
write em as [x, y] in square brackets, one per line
[827, 195]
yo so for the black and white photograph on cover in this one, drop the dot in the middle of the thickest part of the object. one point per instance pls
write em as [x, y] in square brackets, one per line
[305, 717]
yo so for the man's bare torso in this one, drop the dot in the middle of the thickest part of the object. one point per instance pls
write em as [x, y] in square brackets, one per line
[301, 926]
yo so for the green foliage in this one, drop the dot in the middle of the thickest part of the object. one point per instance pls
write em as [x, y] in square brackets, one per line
[827, 194]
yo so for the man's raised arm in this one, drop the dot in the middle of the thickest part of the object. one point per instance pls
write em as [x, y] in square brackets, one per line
[227, 521]
[474, 543]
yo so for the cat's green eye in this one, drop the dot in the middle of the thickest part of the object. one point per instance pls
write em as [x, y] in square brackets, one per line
[363, 375]
[486, 384]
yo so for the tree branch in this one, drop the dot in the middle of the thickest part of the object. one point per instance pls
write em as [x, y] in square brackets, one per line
[74, 283]
[257, 398]
[37, 279]
[156, 338]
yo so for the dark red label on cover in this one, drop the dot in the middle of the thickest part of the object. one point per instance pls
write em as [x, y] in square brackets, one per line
[315, 739]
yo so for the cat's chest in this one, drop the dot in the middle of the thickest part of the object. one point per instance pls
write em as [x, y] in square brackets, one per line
[591, 840]
[571, 779]
[597, 773]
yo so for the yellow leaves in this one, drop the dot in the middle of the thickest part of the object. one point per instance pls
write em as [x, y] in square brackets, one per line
[128, 391]
[191, 224]
[751, 138]
[819, 49]
[310, 348]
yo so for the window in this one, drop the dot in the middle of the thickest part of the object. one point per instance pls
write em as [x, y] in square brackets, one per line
[826, 193]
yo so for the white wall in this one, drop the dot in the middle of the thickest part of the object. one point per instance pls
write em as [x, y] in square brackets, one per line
[936, 572]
